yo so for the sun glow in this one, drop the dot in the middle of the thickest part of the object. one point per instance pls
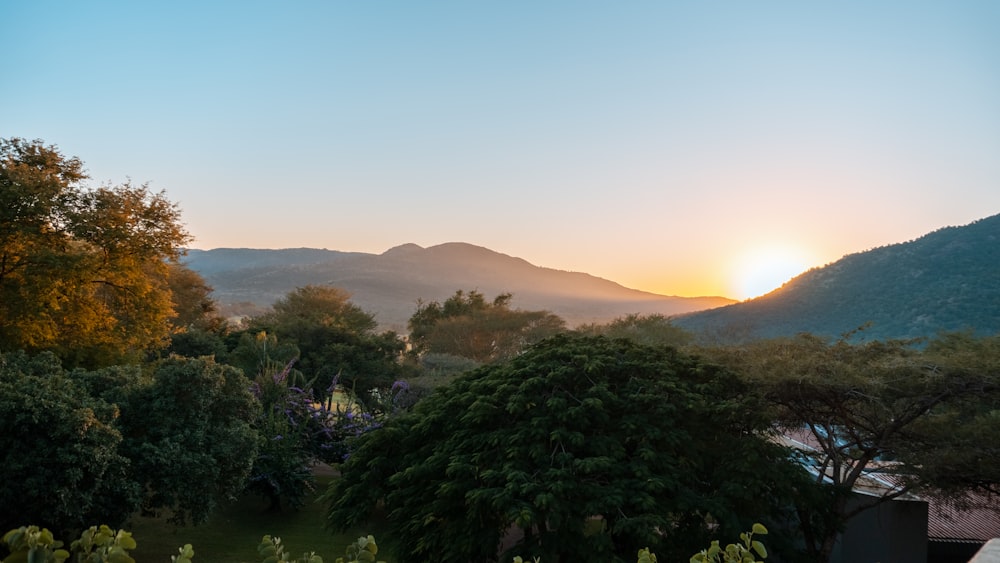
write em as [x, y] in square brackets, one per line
[765, 268]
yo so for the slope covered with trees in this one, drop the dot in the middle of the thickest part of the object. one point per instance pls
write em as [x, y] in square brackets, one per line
[948, 280]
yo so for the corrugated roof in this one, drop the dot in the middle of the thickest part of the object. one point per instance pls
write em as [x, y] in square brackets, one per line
[972, 519]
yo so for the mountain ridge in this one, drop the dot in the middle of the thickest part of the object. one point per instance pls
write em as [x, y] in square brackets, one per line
[945, 280]
[391, 283]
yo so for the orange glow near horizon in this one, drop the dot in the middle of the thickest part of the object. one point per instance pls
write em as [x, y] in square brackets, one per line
[752, 271]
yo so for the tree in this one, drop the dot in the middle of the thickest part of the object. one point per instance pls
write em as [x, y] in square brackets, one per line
[59, 449]
[335, 339]
[878, 409]
[651, 330]
[82, 271]
[189, 436]
[197, 328]
[592, 448]
[317, 305]
[192, 301]
[467, 325]
[955, 447]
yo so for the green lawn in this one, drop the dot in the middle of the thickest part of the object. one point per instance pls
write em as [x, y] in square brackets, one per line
[233, 533]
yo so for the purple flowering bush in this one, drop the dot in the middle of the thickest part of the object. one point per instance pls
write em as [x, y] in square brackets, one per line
[294, 433]
[297, 430]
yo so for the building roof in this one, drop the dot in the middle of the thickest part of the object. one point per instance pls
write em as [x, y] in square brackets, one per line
[973, 519]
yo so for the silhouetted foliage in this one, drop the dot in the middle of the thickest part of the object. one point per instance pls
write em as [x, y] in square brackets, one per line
[649, 330]
[467, 325]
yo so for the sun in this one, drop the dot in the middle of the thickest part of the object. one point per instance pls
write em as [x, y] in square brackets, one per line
[763, 269]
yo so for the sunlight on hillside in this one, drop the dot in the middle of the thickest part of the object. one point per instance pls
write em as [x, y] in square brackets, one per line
[764, 269]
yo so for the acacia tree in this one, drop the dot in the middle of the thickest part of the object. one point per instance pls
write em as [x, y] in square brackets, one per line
[82, 271]
[468, 326]
[592, 448]
[878, 409]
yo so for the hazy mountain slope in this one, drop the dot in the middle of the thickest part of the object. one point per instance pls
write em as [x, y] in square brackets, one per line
[389, 284]
[945, 281]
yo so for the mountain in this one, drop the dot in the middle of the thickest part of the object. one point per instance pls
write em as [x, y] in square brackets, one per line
[948, 280]
[390, 284]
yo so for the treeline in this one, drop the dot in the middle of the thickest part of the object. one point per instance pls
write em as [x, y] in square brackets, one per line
[122, 391]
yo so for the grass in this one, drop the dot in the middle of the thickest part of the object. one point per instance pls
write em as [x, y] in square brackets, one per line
[233, 533]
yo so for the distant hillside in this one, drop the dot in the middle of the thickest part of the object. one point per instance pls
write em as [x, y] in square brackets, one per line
[389, 284]
[947, 280]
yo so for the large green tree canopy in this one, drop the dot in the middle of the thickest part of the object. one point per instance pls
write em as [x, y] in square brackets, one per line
[593, 448]
[59, 450]
[82, 447]
[83, 272]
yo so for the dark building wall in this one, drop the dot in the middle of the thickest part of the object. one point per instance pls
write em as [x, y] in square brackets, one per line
[892, 532]
[951, 552]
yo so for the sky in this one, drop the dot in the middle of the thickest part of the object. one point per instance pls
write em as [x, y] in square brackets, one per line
[684, 148]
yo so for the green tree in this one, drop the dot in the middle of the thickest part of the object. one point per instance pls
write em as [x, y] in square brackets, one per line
[879, 408]
[467, 325]
[59, 449]
[82, 271]
[651, 330]
[593, 448]
[190, 438]
[954, 447]
[95, 446]
[336, 340]
[197, 329]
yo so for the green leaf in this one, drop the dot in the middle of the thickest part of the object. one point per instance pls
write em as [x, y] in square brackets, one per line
[126, 540]
[759, 529]
[759, 548]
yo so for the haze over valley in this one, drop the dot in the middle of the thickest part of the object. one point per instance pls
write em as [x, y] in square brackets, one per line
[947, 280]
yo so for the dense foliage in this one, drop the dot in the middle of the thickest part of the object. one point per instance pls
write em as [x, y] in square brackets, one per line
[591, 448]
[335, 340]
[102, 544]
[83, 272]
[649, 330]
[59, 449]
[85, 446]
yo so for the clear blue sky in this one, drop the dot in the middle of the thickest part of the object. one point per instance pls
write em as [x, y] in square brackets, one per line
[676, 147]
